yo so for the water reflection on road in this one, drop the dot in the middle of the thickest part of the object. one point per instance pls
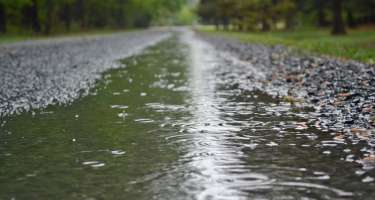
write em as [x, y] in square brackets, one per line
[173, 124]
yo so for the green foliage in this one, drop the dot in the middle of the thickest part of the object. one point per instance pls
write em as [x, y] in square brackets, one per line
[269, 15]
[65, 15]
[247, 14]
[6, 39]
[186, 16]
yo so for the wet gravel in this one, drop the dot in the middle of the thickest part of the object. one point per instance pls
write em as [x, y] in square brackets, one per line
[342, 93]
[35, 74]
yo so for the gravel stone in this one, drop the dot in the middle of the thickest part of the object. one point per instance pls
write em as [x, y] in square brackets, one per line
[35, 74]
[342, 92]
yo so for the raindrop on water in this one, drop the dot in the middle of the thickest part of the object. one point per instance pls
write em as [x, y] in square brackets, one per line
[272, 144]
[117, 152]
[368, 179]
[327, 152]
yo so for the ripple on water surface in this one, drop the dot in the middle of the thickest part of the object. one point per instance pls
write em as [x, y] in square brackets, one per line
[175, 124]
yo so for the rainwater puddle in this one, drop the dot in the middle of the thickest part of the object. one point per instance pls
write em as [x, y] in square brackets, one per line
[170, 125]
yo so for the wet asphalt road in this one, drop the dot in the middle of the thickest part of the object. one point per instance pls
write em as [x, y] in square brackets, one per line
[35, 74]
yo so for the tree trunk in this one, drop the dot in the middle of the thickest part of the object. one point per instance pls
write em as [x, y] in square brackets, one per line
[48, 20]
[240, 27]
[81, 11]
[322, 18]
[225, 22]
[34, 17]
[290, 23]
[66, 16]
[338, 27]
[3, 20]
[265, 25]
[264, 19]
[240, 23]
[217, 25]
[119, 18]
[350, 19]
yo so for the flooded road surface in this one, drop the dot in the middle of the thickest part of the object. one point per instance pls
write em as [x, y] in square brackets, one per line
[171, 125]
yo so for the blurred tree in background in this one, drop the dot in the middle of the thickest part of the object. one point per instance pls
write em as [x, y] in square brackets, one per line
[55, 16]
[2, 18]
[49, 16]
[266, 15]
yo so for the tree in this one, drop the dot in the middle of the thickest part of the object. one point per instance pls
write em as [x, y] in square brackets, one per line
[80, 10]
[3, 19]
[338, 25]
[119, 14]
[49, 8]
[33, 14]
[207, 12]
[248, 14]
[321, 13]
[286, 10]
[65, 13]
[265, 14]
[47, 16]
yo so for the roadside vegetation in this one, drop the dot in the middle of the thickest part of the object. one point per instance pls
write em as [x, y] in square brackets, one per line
[29, 19]
[9, 38]
[333, 27]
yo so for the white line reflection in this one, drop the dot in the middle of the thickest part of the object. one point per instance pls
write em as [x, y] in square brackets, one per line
[217, 171]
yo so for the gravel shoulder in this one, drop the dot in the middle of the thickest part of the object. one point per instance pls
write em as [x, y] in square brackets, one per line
[342, 92]
[35, 74]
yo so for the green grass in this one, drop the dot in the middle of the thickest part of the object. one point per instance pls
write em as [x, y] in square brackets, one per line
[6, 39]
[357, 45]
